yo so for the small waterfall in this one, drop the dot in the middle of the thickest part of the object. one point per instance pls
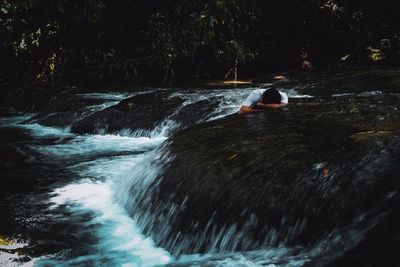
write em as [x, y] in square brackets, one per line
[120, 176]
[138, 178]
[138, 187]
[157, 217]
[138, 193]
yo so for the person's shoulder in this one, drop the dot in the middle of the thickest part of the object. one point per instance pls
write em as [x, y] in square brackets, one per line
[259, 91]
[282, 93]
[252, 98]
[284, 97]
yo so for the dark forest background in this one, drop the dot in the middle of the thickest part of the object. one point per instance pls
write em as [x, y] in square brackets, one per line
[71, 41]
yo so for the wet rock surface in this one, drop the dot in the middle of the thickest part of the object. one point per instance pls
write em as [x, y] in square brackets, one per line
[381, 245]
[64, 110]
[11, 160]
[19, 170]
[197, 112]
[258, 179]
[319, 176]
[27, 230]
[143, 111]
[342, 80]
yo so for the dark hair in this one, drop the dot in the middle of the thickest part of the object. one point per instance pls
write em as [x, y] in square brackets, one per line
[271, 96]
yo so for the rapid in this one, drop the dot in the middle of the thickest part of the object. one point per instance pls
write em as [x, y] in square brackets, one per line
[105, 195]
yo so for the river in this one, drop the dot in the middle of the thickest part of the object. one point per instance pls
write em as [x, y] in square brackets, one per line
[77, 196]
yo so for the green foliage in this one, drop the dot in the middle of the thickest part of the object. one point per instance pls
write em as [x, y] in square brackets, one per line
[198, 31]
[40, 32]
[52, 40]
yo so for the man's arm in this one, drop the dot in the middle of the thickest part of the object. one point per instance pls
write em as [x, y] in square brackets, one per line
[245, 109]
[248, 104]
[269, 106]
[260, 107]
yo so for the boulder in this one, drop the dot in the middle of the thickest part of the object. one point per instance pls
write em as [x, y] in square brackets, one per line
[141, 112]
[11, 157]
[65, 108]
[196, 112]
[288, 176]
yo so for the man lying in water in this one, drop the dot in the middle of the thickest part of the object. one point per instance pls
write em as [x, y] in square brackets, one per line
[261, 99]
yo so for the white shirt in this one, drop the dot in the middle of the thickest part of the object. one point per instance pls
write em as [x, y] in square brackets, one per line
[254, 96]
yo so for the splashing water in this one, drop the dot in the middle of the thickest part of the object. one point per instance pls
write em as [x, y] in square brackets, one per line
[107, 166]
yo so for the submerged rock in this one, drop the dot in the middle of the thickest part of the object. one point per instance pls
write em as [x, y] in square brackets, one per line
[141, 112]
[7, 111]
[194, 113]
[65, 108]
[11, 157]
[244, 182]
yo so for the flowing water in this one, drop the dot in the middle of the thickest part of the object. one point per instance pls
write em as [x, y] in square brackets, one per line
[76, 215]
[98, 164]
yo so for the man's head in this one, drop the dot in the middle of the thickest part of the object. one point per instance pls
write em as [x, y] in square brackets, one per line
[271, 96]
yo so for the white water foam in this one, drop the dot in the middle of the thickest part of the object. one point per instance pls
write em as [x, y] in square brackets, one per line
[97, 144]
[107, 96]
[343, 94]
[362, 94]
[293, 93]
[116, 231]
[120, 242]
[230, 99]
[10, 259]
[12, 121]
[270, 256]
[43, 132]
[161, 131]
[14, 260]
